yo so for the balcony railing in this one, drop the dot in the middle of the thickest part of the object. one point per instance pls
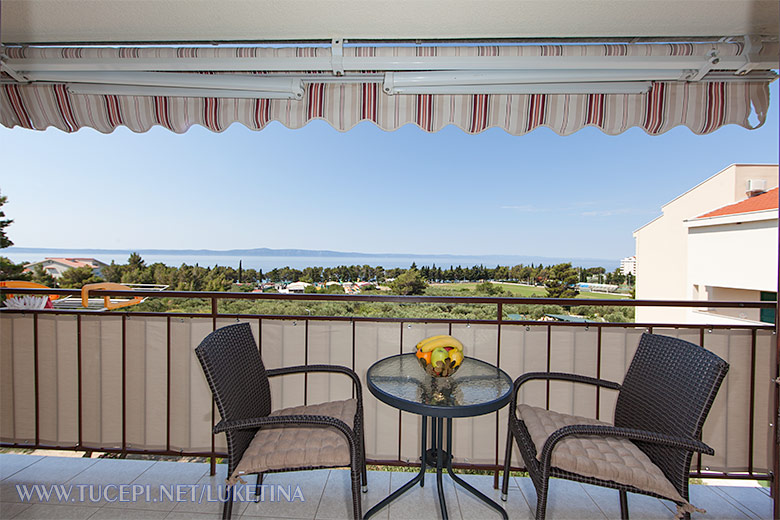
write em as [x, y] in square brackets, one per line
[128, 382]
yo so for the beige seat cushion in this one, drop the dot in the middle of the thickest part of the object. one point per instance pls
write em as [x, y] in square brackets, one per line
[605, 458]
[299, 447]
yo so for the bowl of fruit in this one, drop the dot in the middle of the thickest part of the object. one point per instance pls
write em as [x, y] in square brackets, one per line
[440, 356]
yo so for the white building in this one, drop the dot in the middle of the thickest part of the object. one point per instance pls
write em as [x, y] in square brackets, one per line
[711, 243]
[628, 266]
[295, 288]
[57, 266]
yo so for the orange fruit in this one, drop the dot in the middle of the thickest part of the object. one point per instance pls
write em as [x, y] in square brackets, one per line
[424, 355]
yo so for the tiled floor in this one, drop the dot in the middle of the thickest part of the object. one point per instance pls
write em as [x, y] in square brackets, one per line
[95, 485]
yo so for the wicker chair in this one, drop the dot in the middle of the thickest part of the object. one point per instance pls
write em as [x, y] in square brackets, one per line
[661, 407]
[260, 440]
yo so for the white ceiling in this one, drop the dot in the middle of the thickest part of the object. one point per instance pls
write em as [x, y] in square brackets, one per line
[61, 21]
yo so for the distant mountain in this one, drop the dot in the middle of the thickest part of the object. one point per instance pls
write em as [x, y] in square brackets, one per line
[259, 251]
[487, 260]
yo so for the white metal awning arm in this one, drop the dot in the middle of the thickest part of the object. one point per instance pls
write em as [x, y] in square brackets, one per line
[388, 63]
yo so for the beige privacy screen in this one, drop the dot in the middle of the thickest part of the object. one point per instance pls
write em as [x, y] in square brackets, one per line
[105, 384]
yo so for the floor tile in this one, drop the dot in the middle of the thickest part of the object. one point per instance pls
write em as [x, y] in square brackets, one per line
[163, 480]
[336, 501]
[716, 506]
[52, 470]
[422, 502]
[516, 505]
[10, 510]
[174, 515]
[210, 493]
[274, 505]
[11, 463]
[57, 512]
[112, 513]
[640, 507]
[107, 471]
[565, 499]
[753, 501]
[98, 484]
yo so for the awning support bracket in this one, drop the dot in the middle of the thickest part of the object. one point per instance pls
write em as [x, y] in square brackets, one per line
[11, 71]
[752, 44]
[712, 60]
[337, 56]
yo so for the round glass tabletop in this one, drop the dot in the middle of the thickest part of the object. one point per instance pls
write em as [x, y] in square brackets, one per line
[476, 388]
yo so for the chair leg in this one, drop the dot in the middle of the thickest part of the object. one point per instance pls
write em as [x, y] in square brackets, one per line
[227, 508]
[507, 464]
[364, 472]
[259, 487]
[356, 498]
[541, 499]
[623, 505]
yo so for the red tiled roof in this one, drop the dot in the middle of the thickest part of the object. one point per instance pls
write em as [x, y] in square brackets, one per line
[768, 200]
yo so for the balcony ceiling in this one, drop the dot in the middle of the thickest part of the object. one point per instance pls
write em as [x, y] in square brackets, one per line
[100, 21]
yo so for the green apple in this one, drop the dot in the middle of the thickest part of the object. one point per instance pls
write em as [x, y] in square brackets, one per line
[439, 354]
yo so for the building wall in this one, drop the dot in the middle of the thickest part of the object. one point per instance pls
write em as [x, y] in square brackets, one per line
[662, 245]
[739, 255]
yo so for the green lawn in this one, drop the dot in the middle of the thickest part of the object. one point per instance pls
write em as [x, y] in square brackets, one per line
[521, 291]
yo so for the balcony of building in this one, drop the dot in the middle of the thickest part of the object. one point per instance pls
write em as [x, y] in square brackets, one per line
[128, 383]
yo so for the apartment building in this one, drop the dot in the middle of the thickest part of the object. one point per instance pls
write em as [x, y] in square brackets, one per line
[718, 240]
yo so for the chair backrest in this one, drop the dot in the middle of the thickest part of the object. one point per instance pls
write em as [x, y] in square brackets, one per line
[669, 388]
[235, 372]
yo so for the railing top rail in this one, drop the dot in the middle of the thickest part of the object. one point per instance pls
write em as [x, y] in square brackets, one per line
[380, 319]
[572, 302]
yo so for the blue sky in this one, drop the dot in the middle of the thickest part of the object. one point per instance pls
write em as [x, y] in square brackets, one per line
[365, 190]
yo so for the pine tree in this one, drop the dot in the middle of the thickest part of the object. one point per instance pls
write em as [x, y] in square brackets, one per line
[4, 223]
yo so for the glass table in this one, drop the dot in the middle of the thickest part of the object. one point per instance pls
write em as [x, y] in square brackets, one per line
[477, 388]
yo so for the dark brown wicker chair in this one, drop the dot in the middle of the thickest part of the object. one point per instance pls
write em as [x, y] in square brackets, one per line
[660, 410]
[260, 440]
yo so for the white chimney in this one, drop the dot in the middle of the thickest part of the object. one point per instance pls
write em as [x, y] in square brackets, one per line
[755, 187]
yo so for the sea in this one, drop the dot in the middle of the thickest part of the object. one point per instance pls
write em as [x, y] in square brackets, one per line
[316, 259]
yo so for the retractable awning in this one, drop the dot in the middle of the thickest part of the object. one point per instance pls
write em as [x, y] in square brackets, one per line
[614, 87]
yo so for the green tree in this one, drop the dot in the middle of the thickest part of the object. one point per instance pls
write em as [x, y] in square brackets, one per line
[409, 283]
[501, 273]
[113, 272]
[135, 261]
[78, 277]
[12, 271]
[488, 289]
[4, 223]
[561, 281]
[42, 276]
[333, 288]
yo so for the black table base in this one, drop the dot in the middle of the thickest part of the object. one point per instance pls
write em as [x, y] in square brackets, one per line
[436, 456]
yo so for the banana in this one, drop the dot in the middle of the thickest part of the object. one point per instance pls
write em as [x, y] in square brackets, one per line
[427, 345]
[422, 343]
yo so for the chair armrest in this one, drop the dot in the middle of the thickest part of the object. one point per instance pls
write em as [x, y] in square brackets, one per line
[322, 368]
[285, 420]
[557, 376]
[626, 433]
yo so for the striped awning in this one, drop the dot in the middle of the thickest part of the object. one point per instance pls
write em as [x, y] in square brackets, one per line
[704, 86]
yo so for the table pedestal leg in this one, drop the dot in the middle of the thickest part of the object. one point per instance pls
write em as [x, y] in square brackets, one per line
[439, 465]
[465, 484]
[441, 458]
[419, 477]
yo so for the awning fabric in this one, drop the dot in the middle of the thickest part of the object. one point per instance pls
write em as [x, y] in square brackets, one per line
[702, 106]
